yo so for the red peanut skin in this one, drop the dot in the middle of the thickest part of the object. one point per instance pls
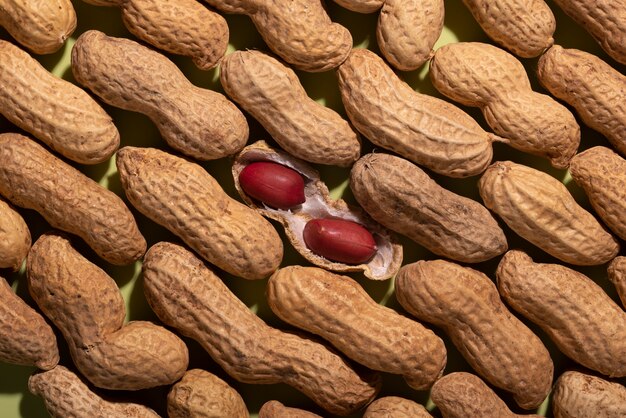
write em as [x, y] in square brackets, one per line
[340, 240]
[273, 184]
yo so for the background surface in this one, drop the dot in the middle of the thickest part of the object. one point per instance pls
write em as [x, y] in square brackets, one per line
[137, 130]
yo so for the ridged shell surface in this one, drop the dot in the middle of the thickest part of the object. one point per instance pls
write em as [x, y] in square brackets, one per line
[395, 407]
[580, 395]
[275, 409]
[617, 275]
[15, 237]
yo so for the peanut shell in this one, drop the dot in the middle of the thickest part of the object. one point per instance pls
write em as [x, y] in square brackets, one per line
[581, 319]
[275, 409]
[541, 210]
[617, 275]
[395, 407]
[33, 178]
[579, 395]
[185, 199]
[14, 237]
[361, 6]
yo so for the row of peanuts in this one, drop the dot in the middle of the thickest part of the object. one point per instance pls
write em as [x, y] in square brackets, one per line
[84, 303]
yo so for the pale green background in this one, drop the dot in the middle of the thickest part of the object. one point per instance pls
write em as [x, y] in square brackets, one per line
[15, 401]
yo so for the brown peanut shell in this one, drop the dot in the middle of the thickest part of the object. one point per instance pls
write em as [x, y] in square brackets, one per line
[484, 76]
[271, 92]
[66, 395]
[421, 128]
[185, 199]
[388, 258]
[33, 178]
[581, 319]
[87, 306]
[579, 395]
[617, 276]
[58, 113]
[395, 407]
[200, 123]
[541, 210]
[14, 237]
[361, 6]
[275, 409]
[403, 198]
[373, 335]
[188, 296]
[466, 304]
[200, 394]
[591, 86]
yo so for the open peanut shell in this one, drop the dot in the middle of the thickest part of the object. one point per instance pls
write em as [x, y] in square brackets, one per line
[388, 257]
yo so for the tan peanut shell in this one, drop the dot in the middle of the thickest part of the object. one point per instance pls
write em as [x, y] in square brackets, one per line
[541, 210]
[395, 407]
[579, 395]
[421, 128]
[33, 178]
[602, 174]
[188, 296]
[14, 237]
[405, 199]
[271, 92]
[41, 26]
[66, 395]
[361, 6]
[581, 319]
[184, 198]
[605, 20]
[200, 394]
[87, 306]
[464, 395]
[200, 123]
[594, 88]
[373, 335]
[299, 31]
[275, 409]
[25, 337]
[523, 27]
[482, 75]
[56, 112]
[466, 304]
[617, 275]
[388, 258]
[407, 31]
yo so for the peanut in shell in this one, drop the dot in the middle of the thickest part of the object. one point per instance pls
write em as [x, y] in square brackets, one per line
[617, 276]
[15, 237]
[395, 407]
[580, 395]
[275, 409]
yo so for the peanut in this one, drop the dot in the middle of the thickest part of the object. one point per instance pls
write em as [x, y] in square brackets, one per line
[86, 305]
[41, 26]
[422, 128]
[591, 86]
[14, 237]
[273, 184]
[25, 337]
[582, 320]
[484, 76]
[466, 304]
[579, 395]
[541, 210]
[184, 198]
[199, 123]
[361, 6]
[407, 31]
[462, 395]
[339, 240]
[402, 197]
[272, 93]
[56, 112]
[524, 28]
[386, 259]
[183, 27]
[275, 409]
[617, 275]
[395, 407]
[33, 178]
[602, 174]
[605, 20]
[186, 295]
[299, 31]
[66, 395]
[200, 394]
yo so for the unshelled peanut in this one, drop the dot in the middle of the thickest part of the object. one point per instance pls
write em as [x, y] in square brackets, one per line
[580, 395]
[617, 275]
[373, 335]
[339, 240]
[541, 210]
[591, 86]
[184, 198]
[484, 76]
[395, 407]
[15, 238]
[275, 409]
[581, 319]
[87, 306]
[424, 129]
[200, 123]
[33, 178]
[361, 6]
[188, 296]
[466, 304]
